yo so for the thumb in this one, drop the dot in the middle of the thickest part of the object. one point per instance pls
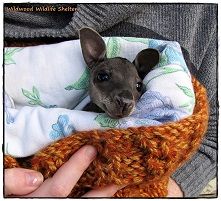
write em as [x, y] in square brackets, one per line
[19, 181]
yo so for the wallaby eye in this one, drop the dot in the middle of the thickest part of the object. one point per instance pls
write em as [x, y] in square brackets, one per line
[139, 86]
[103, 76]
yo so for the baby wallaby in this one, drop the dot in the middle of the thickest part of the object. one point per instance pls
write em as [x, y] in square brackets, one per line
[115, 83]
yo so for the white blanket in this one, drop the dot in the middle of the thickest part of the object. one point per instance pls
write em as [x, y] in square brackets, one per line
[46, 89]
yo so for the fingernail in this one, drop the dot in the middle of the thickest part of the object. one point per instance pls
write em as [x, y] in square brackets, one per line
[91, 152]
[34, 178]
[122, 186]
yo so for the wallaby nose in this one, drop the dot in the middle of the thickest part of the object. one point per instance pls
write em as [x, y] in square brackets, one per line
[125, 102]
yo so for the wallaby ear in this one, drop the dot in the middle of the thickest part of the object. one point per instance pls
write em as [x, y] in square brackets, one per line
[92, 45]
[145, 61]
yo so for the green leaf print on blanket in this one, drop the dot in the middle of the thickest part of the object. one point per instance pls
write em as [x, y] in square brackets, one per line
[165, 70]
[106, 121]
[188, 105]
[171, 56]
[82, 83]
[187, 91]
[137, 40]
[163, 60]
[34, 98]
[113, 47]
[8, 55]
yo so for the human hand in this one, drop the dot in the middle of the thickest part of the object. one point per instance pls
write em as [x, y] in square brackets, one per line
[173, 189]
[20, 181]
[29, 183]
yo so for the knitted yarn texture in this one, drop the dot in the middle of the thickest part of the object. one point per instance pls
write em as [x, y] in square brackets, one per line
[142, 158]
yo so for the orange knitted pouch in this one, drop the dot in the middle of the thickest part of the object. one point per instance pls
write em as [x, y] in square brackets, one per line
[143, 158]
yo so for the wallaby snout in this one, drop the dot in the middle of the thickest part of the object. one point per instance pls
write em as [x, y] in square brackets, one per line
[115, 83]
[125, 103]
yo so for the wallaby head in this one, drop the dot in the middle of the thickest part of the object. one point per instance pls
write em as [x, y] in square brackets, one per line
[115, 83]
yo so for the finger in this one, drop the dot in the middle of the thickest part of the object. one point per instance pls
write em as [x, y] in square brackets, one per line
[63, 181]
[19, 181]
[107, 191]
[173, 189]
